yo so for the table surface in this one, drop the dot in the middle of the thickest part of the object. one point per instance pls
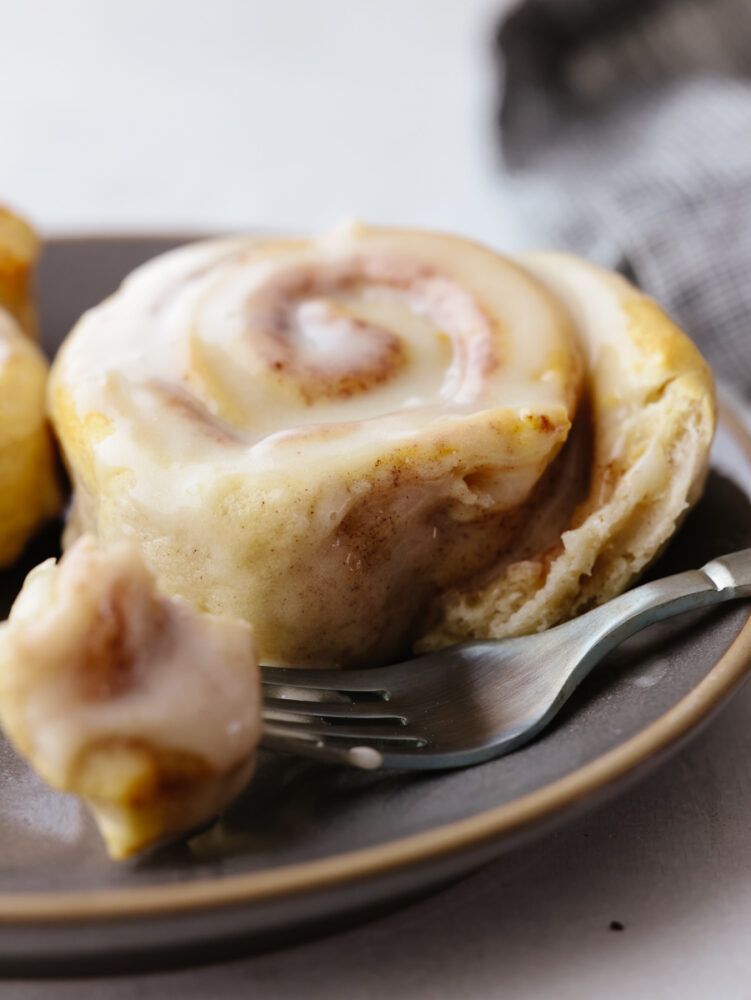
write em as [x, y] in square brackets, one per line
[181, 115]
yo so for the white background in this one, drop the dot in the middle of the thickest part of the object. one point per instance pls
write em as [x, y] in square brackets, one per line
[232, 114]
[289, 114]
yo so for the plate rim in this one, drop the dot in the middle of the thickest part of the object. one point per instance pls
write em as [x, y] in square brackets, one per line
[299, 878]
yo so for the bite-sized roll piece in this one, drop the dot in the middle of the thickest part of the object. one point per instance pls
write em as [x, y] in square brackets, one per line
[135, 701]
[356, 442]
[29, 489]
[18, 254]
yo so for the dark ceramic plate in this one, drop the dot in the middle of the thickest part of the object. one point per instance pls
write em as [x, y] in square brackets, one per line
[308, 845]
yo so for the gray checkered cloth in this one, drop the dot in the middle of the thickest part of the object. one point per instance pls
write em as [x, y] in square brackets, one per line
[626, 134]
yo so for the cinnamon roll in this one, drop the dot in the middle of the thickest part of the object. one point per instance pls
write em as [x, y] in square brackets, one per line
[143, 706]
[29, 491]
[18, 254]
[380, 440]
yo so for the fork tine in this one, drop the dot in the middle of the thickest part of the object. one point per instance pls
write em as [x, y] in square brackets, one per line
[278, 739]
[356, 681]
[332, 710]
[318, 729]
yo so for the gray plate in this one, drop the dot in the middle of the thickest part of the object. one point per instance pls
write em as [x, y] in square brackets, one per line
[308, 845]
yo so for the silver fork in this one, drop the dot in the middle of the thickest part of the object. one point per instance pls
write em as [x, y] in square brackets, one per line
[475, 700]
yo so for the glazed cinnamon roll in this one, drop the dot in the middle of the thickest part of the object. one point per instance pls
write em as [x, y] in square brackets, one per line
[381, 440]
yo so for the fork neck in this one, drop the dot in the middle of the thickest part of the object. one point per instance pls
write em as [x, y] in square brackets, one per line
[720, 580]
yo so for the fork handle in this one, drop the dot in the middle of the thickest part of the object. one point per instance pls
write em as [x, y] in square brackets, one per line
[605, 627]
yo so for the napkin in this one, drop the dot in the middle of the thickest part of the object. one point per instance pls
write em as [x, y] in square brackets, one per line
[626, 134]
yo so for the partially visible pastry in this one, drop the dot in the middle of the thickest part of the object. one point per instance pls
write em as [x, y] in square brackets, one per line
[146, 708]
[18, 254]
[29, 489]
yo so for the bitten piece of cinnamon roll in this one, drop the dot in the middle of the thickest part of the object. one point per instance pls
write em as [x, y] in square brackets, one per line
[378, 439]
[135, 701]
